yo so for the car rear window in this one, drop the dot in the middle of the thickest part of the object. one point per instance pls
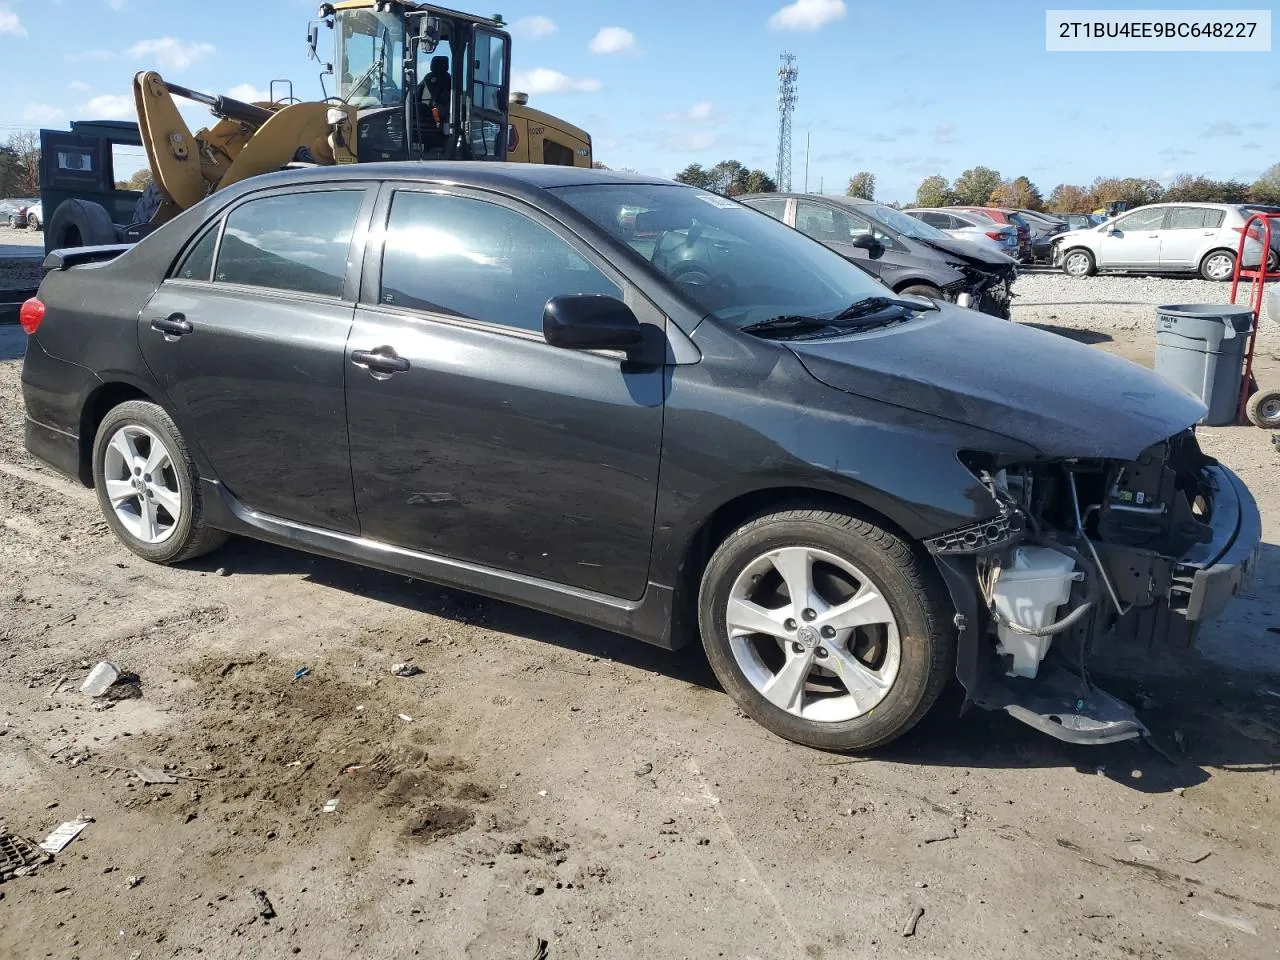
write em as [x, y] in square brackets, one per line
[293, 241]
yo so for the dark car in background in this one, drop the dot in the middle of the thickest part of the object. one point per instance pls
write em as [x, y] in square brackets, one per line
[1044, 227]
[645, 407]
[905, 254]
[1080, 221]
[14, 212]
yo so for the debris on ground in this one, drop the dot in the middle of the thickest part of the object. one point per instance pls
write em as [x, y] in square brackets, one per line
[1243, 924]
[133, 881]
[405, 670]
[57, 841]
[151, 776]
[644, 769]
[939, 838]
[331, 805]
[405, 717]
[301, 672]
[540, 949]
[909, 928]
[100, 679]
[265, 910]
[19, 857]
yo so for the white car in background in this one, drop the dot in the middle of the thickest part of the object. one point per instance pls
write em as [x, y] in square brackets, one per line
[1163, 238]
[963, 225]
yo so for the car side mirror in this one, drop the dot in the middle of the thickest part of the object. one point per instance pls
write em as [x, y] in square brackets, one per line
[866, 241]
[591, 322]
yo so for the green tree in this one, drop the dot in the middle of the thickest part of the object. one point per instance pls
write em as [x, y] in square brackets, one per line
[25, 146]
[1132, 191]
[862, 185]
[140, 180]
[1266, 189]
[1199, 189]
[694, 176]
[1068, 198]
[934, 191]
[759, 182]
[975, 186]
[1019, 193]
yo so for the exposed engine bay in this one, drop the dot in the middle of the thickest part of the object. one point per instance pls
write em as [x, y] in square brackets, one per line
[983, 290]
[1084, 552]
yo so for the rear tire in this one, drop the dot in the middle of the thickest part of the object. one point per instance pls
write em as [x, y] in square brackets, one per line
[1263, 409]
[1218, 265]
[148, 486]
[894, 645]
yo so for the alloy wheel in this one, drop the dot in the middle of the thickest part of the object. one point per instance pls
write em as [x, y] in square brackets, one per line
[813, 634]
[142, 484]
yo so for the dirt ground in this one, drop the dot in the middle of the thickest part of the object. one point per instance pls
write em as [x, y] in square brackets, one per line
[546, 790]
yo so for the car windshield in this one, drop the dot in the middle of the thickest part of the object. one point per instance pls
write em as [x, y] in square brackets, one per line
[900, 222]
[727, 260]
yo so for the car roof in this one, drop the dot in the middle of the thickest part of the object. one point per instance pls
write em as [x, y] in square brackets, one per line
[828, 197]
[478, 173]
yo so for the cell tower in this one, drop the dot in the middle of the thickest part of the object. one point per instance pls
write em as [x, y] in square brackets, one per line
[787, 74]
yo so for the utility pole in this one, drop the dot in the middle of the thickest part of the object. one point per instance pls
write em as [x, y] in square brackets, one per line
[806, 161]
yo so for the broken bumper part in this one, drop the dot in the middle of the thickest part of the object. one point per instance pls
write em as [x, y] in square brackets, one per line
[1215, 572]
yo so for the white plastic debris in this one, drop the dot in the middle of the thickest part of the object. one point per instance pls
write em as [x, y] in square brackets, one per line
[1243, 924]
[100, 678]
[57, 841]
[405, 670]
[331, 805]
[405, 717]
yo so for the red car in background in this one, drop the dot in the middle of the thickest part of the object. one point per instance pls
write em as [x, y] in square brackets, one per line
[1014, 219]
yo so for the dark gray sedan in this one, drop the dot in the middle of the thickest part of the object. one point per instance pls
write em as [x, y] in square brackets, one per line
[648, 408]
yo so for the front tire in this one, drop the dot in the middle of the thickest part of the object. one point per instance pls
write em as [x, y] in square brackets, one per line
[148, 486]
[854, 664]
[922, 290]
[1218, 265]
[1078, 263]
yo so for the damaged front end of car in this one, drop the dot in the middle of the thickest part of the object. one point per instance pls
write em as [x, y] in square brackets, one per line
[1079, 553]
[988, 289]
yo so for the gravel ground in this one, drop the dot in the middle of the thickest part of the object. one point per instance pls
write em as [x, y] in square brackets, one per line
[544, 782]
[1057, 289]
[21, 252]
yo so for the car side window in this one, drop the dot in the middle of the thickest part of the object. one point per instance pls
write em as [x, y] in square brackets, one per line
[479, 260]
[1142, 220]
[1186, 218]
[1213, 218]
[294, 241]
[198, 263]
[774, 208]
[940, 220]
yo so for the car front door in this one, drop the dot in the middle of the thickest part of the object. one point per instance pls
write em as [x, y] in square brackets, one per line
[1185, 235]
[1133, 241]
[247, 337]
[474, 439]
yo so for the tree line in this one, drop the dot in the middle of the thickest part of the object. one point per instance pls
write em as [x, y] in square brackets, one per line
[20, 165]
[982, 186]
[728, 178]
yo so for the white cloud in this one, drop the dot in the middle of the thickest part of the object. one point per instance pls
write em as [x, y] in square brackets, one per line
[808, 14]
[171, 53]
[79, 86]
[944, 133]
[42, 113]
[534, 28]
[612, 40]
[109, 106]
[249, 93]
[9, 22]
[702, 112]
[542, 80]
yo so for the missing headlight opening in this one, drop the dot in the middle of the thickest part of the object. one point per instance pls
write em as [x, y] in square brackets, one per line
[1078, 553]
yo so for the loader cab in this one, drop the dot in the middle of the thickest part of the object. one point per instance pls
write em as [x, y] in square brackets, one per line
[426, 83]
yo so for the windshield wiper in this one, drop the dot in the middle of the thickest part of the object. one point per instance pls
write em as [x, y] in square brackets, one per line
[786, 324]
[874, 305]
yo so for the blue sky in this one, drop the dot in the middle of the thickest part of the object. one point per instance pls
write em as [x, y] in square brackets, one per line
[904, 89]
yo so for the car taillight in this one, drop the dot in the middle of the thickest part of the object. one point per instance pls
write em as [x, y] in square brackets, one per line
[31, 314]
[995, 235]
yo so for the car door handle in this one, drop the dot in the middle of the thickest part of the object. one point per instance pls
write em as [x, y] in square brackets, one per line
[384, 362]
[174, 325]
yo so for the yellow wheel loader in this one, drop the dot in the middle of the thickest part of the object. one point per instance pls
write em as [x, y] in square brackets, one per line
[414, 81]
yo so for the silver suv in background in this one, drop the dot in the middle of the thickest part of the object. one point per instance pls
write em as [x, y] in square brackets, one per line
[1162, 238]
[1001, 237]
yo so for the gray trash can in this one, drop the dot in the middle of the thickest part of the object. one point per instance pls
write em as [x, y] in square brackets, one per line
[1200, 347]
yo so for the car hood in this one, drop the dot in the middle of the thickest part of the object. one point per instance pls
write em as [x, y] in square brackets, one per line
[1053, 394]
[969, 253]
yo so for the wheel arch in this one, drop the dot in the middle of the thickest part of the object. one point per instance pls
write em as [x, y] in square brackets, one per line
[100, 401]
[731, 514]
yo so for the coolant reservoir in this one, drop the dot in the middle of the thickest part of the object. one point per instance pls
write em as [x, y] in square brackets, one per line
[1029, 592]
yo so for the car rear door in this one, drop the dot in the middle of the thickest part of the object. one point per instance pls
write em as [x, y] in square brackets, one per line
[1186, 235]
[1133, 240]
[471, 437]
[247, 337]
